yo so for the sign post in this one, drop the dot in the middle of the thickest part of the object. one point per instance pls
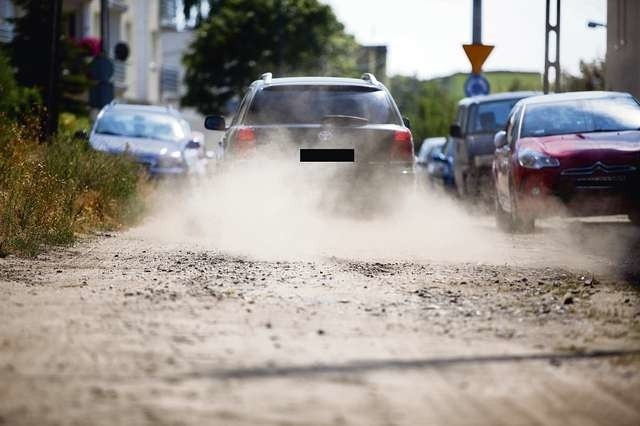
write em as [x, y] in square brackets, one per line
[477, 53]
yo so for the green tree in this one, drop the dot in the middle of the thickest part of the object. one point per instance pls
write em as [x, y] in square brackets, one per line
[427, 104]
[240, 39]
[15, 101]
[591, 77]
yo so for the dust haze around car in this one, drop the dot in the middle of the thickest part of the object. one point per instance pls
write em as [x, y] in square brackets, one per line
[278, 210]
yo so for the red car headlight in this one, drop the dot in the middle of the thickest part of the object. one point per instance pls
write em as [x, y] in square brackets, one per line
[531, 159]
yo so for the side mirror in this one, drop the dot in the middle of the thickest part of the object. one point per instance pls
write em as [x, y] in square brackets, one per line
[455, 131]
[192, 144]
[500, 139]
[407, 122]
[215, 122]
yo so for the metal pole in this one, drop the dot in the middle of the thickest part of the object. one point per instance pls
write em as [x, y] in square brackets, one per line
[477, 22]
[53, 89]
[557, 29]
[545, 79]
[104, 26]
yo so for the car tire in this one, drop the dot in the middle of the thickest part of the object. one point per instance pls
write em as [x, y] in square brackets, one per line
[503, 219]
[514, 221]
[634, 217]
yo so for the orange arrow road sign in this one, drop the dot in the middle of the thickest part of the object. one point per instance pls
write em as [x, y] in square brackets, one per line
[477, 54]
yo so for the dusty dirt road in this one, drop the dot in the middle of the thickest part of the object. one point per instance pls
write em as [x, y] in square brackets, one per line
[126, 329]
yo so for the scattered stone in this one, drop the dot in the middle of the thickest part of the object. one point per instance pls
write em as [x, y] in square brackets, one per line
[567, 299]
[320, 332]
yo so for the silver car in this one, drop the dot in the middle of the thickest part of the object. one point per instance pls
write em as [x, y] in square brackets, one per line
[157, 137]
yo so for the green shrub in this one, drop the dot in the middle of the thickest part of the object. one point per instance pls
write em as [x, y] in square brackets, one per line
[15, 101]
[49, 192]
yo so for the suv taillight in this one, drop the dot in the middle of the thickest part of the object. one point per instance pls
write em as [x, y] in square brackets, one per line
[402, 146]
[245, 139]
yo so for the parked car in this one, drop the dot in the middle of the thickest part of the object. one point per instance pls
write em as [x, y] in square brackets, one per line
[423, 156]
[477, 120]
[427, 147]
[305, 116]
[157, 137]
[440, 167]
[575, 153]
[434, 164]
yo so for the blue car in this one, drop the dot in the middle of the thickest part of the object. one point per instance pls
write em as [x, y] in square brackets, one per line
[157, 137]
[440, 167]
[435, 163]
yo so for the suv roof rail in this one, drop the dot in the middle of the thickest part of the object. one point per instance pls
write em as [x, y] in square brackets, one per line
[266, 77]
[367, 76]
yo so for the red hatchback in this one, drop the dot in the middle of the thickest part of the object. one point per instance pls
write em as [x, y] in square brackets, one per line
[572, 153]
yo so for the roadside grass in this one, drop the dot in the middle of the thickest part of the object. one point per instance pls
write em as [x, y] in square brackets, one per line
[51, 192]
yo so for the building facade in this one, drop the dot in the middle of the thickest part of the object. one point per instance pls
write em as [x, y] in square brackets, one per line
[623, 46]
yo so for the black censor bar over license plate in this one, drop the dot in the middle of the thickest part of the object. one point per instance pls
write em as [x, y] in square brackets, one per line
[327, 155]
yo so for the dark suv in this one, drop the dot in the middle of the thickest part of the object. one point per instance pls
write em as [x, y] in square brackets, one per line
[477, 120]
[320, 119]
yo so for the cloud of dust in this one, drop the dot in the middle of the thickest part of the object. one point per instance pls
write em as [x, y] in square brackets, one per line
[276, 208]
[283, 209]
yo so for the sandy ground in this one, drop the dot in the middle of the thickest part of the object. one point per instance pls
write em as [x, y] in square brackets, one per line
[130, 329]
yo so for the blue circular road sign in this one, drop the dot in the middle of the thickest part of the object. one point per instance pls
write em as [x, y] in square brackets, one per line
[476, 85]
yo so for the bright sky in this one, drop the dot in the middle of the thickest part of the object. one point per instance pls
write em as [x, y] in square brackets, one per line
[425, 37]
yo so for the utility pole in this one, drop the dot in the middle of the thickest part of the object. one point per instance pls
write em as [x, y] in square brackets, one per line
[548, 63]
[104, 26]
[53, 86]
[477, 22]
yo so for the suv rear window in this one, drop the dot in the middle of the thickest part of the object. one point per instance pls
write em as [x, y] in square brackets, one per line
[310, 104]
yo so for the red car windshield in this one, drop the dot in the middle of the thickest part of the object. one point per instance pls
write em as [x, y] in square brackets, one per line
[582, 116]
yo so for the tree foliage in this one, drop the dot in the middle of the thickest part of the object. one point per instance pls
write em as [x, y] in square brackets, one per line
[241, 39]
[427, 104]
[591, 77]
[15, 101]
